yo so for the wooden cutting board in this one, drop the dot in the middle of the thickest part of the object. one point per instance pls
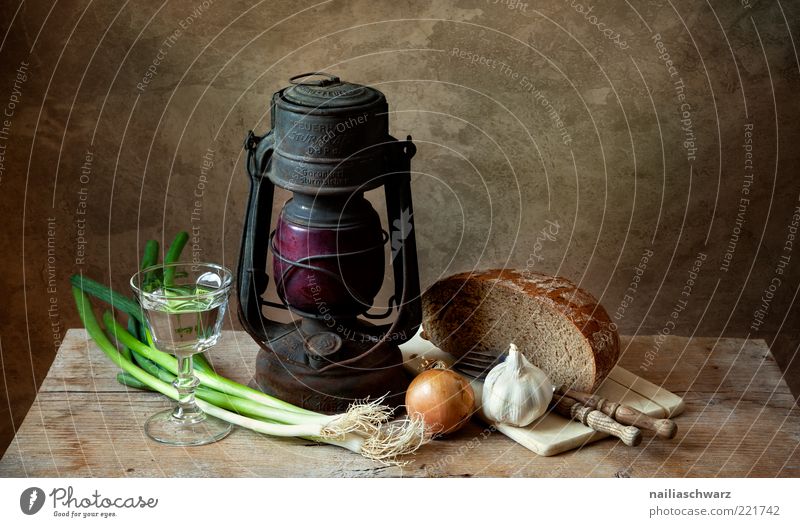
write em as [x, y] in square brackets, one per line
[553, 434]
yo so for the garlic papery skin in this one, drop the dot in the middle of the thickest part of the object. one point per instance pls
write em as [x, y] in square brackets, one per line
[516, 392]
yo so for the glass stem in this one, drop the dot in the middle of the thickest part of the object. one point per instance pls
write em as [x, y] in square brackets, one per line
[185, 383]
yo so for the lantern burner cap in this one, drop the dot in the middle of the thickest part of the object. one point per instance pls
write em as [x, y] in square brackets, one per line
[320, 90]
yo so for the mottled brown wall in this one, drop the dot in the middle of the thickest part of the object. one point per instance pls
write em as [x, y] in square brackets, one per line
[481, 85]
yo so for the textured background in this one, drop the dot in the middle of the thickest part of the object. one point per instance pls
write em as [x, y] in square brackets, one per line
[546, 116]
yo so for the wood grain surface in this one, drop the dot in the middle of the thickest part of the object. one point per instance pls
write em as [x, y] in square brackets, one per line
[740, 420]
[560, 431]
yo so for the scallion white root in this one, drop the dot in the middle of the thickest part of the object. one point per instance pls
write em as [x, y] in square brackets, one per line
[396, 439]
[364, 417]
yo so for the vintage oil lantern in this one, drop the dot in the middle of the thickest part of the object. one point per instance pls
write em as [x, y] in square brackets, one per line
[329, 143]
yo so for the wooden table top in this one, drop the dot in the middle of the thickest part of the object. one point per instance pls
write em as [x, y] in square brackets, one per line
[740, 420]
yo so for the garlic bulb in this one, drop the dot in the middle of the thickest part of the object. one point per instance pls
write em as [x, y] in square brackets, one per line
[515, 391]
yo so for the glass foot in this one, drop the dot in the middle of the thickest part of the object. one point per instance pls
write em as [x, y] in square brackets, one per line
[165, 428]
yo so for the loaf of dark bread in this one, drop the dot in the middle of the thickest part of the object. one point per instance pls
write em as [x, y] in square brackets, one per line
[559, 327]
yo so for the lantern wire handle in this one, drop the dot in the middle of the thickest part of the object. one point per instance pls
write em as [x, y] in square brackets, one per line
[330, 79]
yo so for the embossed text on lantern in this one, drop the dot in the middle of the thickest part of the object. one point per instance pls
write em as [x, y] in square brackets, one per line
[329, 143]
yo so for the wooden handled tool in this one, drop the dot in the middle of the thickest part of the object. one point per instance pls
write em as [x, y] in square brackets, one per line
[626, 415]
[597, 420]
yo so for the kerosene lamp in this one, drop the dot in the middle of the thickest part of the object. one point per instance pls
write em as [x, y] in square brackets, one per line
[329, 143]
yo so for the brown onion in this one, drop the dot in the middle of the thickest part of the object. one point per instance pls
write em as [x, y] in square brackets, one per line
[443, 398]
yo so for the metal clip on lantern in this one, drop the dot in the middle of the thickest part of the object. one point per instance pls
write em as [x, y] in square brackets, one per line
[329, 144]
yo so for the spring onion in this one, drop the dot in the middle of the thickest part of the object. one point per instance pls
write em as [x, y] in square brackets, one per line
[362, 429]
[116, 300]
[238, 404]
[173, 254]
[127, 379]
[96, 333]
[149, 259]
[150, 256]
[210, 379]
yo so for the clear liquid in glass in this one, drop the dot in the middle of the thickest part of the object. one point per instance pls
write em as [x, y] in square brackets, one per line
[184, 328]
[184, 305]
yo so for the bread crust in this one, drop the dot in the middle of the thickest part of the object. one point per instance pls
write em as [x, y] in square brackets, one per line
[561, 295]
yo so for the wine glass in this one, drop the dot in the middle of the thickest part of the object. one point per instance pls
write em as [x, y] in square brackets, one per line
[184, 305]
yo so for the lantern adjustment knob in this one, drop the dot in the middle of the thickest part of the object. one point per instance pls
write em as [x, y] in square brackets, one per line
[322, 348]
